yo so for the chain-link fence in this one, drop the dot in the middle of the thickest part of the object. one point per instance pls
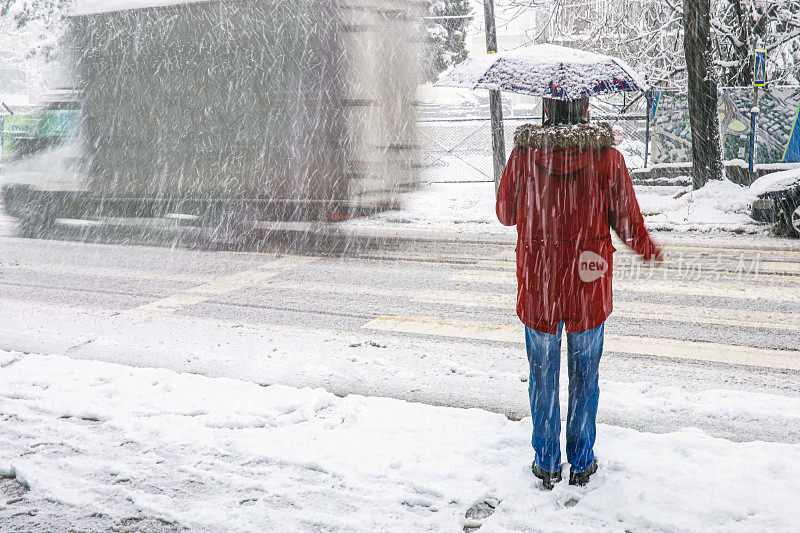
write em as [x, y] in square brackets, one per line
[460, 149]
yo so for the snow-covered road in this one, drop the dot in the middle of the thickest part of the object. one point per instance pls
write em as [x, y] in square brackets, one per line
[360, 384]
[99, 443]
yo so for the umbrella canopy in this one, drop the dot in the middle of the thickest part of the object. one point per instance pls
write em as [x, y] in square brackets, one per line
[545, 70]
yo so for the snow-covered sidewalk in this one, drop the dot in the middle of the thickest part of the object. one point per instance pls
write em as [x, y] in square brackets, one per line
[461, 208]
[218, 454]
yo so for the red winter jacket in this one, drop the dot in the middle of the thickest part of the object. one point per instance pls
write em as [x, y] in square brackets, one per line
[564, 187]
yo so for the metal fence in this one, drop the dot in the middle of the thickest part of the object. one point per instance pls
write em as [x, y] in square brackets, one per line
[460, 149]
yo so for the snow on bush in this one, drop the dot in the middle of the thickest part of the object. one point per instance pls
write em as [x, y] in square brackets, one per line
[719, 204]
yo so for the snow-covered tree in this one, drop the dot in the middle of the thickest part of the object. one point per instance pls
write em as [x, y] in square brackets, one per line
[446, 35]
[31, 30]
[649, 35]
[33, 20]
[740, 26]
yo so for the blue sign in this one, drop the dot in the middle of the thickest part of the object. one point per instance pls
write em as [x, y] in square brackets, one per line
[654, 105]
[760, 68]
[792, 152]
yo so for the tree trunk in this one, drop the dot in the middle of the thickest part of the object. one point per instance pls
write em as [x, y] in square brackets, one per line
[706, 150]
[741, 74]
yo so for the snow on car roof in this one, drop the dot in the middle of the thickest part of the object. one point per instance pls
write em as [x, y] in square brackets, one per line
[94, 7]
[776, 181]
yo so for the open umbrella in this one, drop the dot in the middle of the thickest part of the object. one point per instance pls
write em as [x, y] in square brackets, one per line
[545, 70]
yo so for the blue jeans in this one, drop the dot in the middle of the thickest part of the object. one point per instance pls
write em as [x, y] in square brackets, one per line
[544, 355]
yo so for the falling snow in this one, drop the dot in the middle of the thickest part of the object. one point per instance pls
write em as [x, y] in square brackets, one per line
[242, 288]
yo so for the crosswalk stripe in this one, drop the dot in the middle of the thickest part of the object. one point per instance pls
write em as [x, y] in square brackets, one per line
[628, 309]
[645, 346]
[134, 273]
[725, 243]
[707, 288]
[107, 272]
[732, 254]
[733, 267]
[706, 266]
[492, 300]
[222, 285]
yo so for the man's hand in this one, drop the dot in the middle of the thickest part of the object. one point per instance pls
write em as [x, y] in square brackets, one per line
[658, 258]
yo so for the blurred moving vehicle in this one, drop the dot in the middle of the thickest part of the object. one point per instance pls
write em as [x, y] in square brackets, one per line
[778, 200]
[228, 110]
[40, 163]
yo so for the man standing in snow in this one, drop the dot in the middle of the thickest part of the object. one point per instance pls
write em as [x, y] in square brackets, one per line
[564, 186]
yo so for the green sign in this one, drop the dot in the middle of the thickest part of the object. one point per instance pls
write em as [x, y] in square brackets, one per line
[26, 134]
[57, 123]
[16, 130]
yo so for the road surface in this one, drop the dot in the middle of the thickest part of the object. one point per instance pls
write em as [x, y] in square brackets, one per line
[417, 316]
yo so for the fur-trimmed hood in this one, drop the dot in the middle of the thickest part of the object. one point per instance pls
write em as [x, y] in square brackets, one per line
[596, 136]
[565, 149]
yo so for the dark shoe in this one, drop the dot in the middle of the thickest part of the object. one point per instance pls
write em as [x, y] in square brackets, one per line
[582, 478]
[548, 478]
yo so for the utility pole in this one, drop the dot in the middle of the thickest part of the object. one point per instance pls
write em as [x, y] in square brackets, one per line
[495, 103]
[649, 109]
[759, 80]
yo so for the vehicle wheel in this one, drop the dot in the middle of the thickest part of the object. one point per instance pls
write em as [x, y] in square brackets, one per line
[795, 220]
[226, 234]
[35, 226]
[790, 213]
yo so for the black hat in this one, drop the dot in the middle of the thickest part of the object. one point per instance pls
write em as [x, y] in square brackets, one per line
[565, 111]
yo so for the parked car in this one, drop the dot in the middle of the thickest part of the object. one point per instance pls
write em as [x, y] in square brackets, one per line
[778, 200]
